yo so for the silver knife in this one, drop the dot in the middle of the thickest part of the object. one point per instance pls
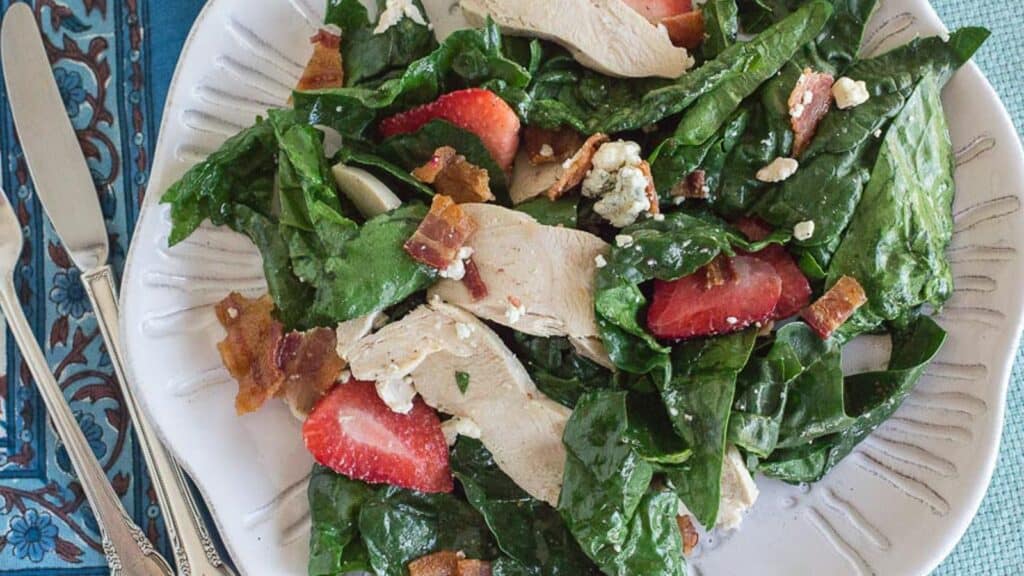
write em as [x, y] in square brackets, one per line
[66, 190]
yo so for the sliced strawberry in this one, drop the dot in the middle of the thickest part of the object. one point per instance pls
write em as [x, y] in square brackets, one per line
[474, 109]
[657, 10]
[796, 290]
[354, 433]
[704, 304]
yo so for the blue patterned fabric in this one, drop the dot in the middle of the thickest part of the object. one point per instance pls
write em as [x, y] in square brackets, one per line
[113, 61]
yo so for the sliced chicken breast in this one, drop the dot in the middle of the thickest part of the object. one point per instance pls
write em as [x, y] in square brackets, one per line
[606, 35]
[519, 425]
[545, 273]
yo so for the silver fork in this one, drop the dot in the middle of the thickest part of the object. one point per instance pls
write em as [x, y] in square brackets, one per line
[124, 544]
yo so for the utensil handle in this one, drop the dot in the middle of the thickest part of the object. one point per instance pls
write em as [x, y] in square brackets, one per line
[194, 551]
[124, 544]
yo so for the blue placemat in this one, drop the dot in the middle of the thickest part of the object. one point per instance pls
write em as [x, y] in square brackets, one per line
[113, 60]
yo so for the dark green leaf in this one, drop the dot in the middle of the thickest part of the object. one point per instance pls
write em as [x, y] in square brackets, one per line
[699, 398]
[672, 161]
[529, 531]
[462, 381]
[388, 172]
[720, 27]
[561, 212]
[335, 547]
[557, 370]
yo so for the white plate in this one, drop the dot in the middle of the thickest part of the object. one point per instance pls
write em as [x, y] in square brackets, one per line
[897, 505]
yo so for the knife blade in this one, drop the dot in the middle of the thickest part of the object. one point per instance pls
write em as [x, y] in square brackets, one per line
[54, 157]
[65, 188]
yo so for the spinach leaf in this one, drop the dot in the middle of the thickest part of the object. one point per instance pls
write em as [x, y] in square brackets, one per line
[667, 250]
[870, 399]
[605, 501]
[416, 148]
[562, 92]
[400, 180]
[895, 247]
[462, 381]
[770, 135]
[530, 532]
[334, 502]
[561, 212]
[815, 406]
[835, 168]
[763, 387]
[399, 526]
[467, 58]
[720, 27]
[241, 171]
[371, 271]
[672, 161]
[699, 397]
[366, 55]
[763, 57]
[557, 370]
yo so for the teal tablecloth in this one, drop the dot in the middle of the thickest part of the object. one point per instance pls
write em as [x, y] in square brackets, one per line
[113, 61]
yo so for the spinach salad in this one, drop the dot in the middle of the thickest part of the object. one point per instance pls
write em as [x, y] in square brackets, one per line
[542, 320]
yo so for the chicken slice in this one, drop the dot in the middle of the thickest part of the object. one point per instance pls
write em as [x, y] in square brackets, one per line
[606, 35]
[738, 490]
[546, 270]
[519, 425]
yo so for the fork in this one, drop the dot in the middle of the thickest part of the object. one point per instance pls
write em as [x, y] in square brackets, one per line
[125, 546]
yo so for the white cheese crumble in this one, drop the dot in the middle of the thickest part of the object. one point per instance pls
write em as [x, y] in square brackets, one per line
[547, 151]
[659, 217]
[616, 178]
[393, 13]
[600, 261]
[463, 330]
[456, 426]
[397, 392]
[780, 169]
[803, 230]
[457, 269]
[623, 240]
[878, 133]
[731, 320]
[514, 313]
[850, 93]
[344, 376]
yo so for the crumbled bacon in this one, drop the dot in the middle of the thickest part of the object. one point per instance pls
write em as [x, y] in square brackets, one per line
[267, 363]
[577, 166]
[442, 157]
[249, 351]
[835, 307]
[452, 175]
[694, 185]
[650, 192]
[311, 366]
[438, 238]
[324, 69]
[688, 532]
[448, 563]
[473, 281]
[718, 272]
[548, 146]
[809, 102]
[686, 30]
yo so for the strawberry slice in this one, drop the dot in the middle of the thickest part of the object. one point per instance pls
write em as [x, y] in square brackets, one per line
[796, 290]
[354, 433]
[710, 302]
[658, 10]
[474, 109]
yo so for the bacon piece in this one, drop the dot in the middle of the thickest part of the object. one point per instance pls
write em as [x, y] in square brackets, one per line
[448, 563]
[438, 238]
[577, 166]
[718, 272]
[311, 366]
[693, 186]
[324, 69]
[688, 532]
[809, 102]
[686, 30]
[442, 157]
[650, 192]
[473, 281]
[548, 146]
[452, 175]
[835, 307]
[249, 351]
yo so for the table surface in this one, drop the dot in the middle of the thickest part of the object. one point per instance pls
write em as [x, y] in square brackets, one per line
[113, 61]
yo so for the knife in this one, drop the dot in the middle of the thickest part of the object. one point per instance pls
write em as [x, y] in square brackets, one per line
[66, 190]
